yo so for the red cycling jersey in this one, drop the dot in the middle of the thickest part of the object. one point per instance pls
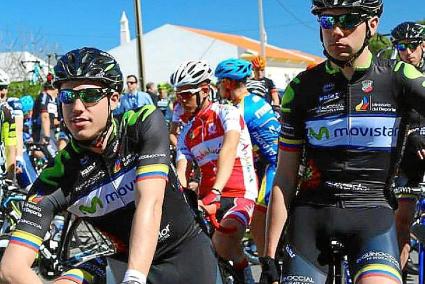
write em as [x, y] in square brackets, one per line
[201, 140]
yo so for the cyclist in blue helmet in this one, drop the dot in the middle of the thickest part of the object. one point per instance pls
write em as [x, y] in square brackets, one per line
[263, 127]
[27, 103]
[235, 69]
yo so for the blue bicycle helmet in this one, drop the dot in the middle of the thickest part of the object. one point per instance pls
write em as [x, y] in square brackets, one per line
[235, 69]
[27, 103]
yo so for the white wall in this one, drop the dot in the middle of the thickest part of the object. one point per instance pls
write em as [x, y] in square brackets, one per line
[167, 47]
[10, 62]
[281, 76]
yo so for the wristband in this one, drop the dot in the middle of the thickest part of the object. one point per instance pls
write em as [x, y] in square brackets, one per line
[134, 276]
[216, 191]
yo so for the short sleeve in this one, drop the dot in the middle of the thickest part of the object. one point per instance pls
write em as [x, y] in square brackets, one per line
[292, 134]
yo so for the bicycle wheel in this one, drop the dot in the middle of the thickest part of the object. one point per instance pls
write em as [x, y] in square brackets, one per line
[82, 242]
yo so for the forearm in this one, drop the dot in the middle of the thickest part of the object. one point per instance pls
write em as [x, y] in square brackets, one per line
[275, 98]
[173, 139]
[225, 163]
[45, 124]
[181, 171]
[174, 132]
[283, 192]
[16, 264]
[11, 158]
[20, 141]
[276, 218]
[144, 236]
[404, 218]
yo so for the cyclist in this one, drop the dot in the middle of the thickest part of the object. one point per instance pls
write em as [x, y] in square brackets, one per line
[270, 94]
[26, 175]
[44, 119]
[8, 139]
[345, 114]
[217, 139]
[114, 173]
[409, 40]
[263, 128]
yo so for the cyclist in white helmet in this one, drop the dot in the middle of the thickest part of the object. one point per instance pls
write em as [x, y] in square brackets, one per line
[217, 139]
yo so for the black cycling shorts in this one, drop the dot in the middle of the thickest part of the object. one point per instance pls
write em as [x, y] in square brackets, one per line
[192, 262]
[368, 236]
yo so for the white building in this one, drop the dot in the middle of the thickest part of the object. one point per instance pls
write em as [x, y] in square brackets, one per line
[166, 47]
[19, 65]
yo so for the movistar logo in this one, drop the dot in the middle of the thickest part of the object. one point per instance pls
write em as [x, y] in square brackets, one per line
[120, 192]
[323, 131]
[353, 131]
[93, 207]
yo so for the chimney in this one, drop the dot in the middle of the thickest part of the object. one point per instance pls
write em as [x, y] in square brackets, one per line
[125, 32]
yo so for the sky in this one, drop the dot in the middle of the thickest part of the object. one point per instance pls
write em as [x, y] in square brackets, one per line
[59, 26]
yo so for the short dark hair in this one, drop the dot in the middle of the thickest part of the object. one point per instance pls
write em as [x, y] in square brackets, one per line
[133, 76]
[149, 85]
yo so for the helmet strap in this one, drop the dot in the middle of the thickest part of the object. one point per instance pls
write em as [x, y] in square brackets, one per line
[422, 63]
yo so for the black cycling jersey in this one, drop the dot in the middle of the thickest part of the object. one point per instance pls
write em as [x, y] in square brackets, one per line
[101, 188]
[42, 104]
[350, 129]
[268, 85]
[413, 168]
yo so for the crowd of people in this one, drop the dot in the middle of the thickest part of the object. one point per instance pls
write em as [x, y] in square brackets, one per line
[314, 166]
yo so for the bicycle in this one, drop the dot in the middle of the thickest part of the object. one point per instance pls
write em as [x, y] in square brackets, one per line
[12, 199]
[67, 247]
[418, 228]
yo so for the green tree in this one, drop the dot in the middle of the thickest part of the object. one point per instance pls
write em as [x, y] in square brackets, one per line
[380, 42]
[18, 89]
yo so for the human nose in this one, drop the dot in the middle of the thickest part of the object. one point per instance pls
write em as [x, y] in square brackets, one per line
[78, 106]
[337, 32]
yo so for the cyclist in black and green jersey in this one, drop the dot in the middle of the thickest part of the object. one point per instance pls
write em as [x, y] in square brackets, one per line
[8, 139]
[115, 174]
[408, 39]
[345, 118]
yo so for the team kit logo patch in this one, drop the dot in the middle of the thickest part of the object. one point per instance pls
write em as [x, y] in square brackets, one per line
[364, 105]
[367, 86]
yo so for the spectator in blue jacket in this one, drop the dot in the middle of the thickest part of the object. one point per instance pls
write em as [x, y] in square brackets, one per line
[133, 98]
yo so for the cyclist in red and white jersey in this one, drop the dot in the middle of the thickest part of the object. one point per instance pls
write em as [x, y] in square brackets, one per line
[217, 139]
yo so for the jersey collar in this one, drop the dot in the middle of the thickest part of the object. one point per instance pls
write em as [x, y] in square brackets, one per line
[333, 69]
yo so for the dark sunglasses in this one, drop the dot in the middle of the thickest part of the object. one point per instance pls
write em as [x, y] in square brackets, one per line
[90, 96]
[403, 46]
[344, 21]
[131, 83]
[3, 88]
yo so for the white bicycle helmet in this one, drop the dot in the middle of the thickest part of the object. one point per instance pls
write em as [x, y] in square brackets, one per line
[191, 73]
[4, 78]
